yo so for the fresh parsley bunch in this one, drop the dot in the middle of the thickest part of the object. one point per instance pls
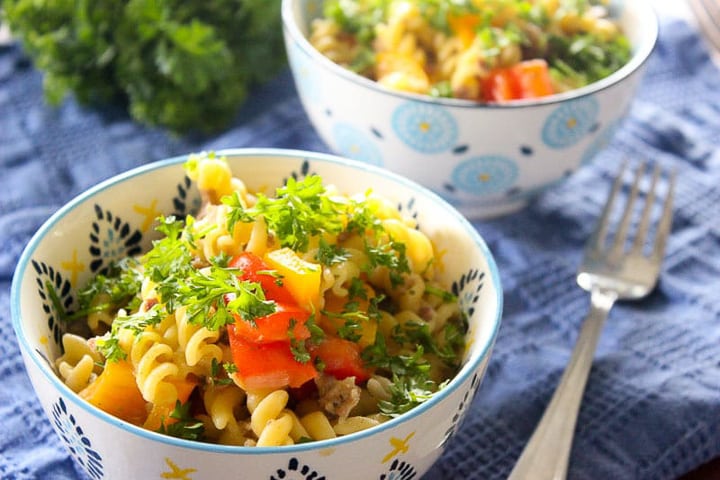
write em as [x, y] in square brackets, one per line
[181, 64]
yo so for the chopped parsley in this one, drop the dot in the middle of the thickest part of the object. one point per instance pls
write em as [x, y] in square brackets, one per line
[186, 426]
[119, 288]
[212, 296]
[220, 373]
[406, 394]
[300, 210]
[298, 347]
[390, 255]
[330, 254]
[109, 344]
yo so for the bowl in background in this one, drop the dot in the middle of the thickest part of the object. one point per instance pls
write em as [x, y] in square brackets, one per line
[114, 219]
[485, 159]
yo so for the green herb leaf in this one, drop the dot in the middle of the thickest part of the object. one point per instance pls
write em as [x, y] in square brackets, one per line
[109, 345]
[300, 210]
[186, 426]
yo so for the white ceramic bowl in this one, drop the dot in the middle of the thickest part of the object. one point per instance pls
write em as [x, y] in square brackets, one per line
[114, 219]
[487, 160]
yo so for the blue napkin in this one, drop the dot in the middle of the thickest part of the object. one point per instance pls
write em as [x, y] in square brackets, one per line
[652, 406]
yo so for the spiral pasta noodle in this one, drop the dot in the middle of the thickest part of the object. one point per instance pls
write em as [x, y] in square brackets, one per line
[197, 342]
[152, 360]
[77, 365]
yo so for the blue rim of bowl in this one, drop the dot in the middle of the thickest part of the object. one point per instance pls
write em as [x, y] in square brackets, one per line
[480, 354]
[638, 59]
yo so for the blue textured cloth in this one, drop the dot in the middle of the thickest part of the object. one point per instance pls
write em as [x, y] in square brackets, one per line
[652, 405]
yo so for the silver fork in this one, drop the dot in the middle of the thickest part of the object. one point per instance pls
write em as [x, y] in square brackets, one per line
[610, 271]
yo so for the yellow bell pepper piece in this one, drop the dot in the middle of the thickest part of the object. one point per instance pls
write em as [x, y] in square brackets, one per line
[115, 391]
[300, 277]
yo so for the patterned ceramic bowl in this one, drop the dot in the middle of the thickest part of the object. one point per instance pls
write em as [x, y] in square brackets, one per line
[114, 219]
[486, 160]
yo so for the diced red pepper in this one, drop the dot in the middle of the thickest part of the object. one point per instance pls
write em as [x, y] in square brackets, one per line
[267, 365]
[254, 269]
[276, 326]
[527, 79]
[342, 359]
[533, 78]
[500, 86]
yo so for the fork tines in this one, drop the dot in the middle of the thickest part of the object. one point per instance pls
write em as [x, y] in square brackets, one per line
[638, 216]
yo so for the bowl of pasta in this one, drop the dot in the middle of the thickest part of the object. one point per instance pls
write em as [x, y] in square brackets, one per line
[486, 102]
[276, 313]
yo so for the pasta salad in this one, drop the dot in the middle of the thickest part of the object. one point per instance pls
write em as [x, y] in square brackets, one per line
[267, 320]
[480, 50]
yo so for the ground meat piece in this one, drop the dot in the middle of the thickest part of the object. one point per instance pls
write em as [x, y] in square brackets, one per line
[337, 397]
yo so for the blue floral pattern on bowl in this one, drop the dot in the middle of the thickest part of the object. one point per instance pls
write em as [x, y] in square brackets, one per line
[424, 127]
[354, 144]
[571, 121]
[75, 440]
[484, 175]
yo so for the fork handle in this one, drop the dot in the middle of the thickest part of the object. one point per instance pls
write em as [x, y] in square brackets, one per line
[547, 453]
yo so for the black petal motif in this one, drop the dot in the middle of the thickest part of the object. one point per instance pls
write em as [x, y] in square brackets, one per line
[111, 238]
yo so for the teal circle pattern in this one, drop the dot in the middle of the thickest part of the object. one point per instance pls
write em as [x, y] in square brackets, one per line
[485, 175]
[425, 127]
[571, 121]
[600, 142]
[354, 144]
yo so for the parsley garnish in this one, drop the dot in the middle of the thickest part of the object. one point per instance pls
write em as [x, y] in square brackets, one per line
[444, 295]
[186, 426]
[413, 364]
[109, 344]
[407, 393]
[217, 377]
[300, 210]
[298, 347]
[119, 288]
[214, 295]
[390, 255]
[238, 213]
[330, 254]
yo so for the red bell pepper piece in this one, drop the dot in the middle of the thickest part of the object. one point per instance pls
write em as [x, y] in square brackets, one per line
[254, 269]
[276, 326]
[267, 365]
[342, 359]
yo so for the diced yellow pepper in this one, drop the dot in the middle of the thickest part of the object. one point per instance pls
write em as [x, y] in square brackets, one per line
[300, 277]
[115, 391]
